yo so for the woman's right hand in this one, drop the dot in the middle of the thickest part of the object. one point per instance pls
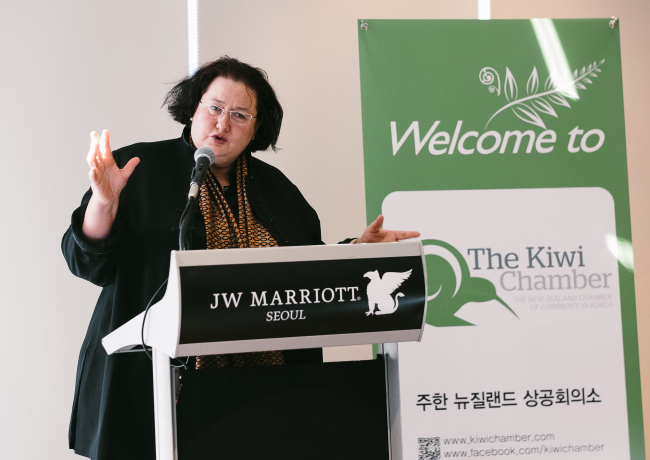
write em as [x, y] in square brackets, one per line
[107, 181]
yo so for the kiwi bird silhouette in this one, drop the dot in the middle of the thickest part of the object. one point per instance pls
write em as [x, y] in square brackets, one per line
[452, 285]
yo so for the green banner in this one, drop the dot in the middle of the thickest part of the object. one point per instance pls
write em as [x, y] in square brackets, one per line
[503, 143]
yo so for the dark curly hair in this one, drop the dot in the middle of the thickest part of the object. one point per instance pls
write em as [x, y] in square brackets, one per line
[184, 97]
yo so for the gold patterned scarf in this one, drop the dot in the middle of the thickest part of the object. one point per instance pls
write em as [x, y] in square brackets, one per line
[223, 231]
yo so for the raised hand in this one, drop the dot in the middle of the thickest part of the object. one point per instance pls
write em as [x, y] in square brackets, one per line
[106, 179]
[375, 234]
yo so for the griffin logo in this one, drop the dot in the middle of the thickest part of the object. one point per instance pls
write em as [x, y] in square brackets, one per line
[380, 290]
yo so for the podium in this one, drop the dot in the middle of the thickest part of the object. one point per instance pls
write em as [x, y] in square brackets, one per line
[263, 299]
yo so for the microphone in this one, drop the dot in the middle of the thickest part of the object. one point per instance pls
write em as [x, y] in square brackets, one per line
[204, 158]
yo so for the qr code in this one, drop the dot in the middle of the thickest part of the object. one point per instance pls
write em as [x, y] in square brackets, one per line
[429, 448]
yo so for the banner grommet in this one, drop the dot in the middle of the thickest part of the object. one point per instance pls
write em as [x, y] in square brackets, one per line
[613, 24]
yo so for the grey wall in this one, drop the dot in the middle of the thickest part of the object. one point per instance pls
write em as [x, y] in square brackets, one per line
[66, 68]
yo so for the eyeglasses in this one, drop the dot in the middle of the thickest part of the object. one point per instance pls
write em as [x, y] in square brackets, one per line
[238, 118]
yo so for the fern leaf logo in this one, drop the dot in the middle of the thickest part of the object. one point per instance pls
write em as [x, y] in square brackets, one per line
[534, 105]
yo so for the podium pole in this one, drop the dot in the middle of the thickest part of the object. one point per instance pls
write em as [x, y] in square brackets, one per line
[164, 406]
[393, 402]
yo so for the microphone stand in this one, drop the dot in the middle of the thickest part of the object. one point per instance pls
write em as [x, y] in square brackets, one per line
[184, 226]
[187, 218]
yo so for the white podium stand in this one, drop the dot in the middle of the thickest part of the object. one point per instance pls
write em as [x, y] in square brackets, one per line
[252, 300]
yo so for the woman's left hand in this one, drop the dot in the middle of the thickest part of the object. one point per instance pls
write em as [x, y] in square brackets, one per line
[375, 234]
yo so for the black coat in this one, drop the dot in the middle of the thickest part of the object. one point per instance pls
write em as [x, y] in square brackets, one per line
[112, 413]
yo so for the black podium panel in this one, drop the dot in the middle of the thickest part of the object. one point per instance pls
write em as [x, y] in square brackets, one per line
[294, 411]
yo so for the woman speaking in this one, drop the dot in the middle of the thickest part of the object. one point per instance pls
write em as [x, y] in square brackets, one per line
[121, 236]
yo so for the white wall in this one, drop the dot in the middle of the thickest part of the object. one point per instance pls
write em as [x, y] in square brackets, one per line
[310, 51]
[66, 67]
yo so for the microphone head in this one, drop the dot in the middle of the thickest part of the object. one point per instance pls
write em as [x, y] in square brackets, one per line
[204, 152]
